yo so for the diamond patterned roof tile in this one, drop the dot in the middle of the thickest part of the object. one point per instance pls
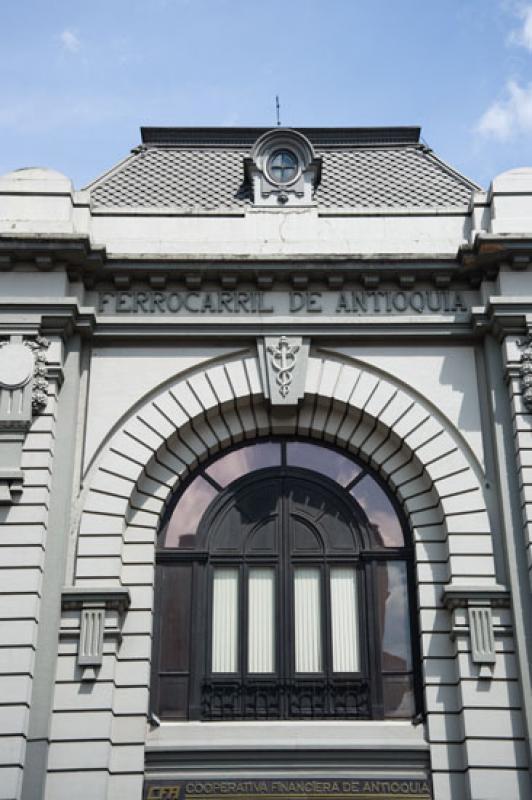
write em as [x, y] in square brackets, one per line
[212, 178]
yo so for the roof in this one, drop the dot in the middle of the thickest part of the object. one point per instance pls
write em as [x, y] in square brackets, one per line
[203, 169]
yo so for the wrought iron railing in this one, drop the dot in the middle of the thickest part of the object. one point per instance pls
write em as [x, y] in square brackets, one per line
[223, 698]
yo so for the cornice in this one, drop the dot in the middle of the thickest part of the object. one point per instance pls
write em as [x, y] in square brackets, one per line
[460, 596]
[327, 328]
[50, 250]
[490, 250]
[73, 597]
[50, 316]
[503, 316]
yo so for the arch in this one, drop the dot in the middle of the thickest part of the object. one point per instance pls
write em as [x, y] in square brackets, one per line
[358, 409]
[422, 458]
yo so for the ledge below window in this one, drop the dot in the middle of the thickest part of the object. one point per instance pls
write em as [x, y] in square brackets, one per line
[337, 735]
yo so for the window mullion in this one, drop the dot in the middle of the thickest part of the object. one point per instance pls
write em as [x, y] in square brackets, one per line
[374, 638]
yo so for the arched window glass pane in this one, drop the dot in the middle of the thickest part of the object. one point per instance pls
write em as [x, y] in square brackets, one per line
[291, 588]
[261, 615]
[323, 460]
[344, 619]
[379, 510]
[225, 619]
[394, 616]
[307, 619]
[183, 524]
[283, 166]
[398, 696]
[244, 460]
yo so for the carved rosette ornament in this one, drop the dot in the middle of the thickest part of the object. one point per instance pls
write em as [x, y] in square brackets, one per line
[526, 371]
[23, 393]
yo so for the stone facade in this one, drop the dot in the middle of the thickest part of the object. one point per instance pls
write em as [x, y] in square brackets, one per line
[145, 327]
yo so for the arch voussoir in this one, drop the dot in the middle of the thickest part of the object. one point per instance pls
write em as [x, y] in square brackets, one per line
[365, 413]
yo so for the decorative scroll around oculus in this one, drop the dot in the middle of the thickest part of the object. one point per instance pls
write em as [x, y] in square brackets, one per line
[23, 393]
[526, 371]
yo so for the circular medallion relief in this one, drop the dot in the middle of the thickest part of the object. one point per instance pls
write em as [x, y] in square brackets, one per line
[16, 365]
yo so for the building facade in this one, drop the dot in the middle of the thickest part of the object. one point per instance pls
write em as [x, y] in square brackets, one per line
[265, 473]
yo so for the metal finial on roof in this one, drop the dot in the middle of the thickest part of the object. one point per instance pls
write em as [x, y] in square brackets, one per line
[278, 109]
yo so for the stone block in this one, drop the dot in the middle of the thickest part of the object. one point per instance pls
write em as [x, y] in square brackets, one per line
[474, 565]
[490, 694]
[494, 784]
[137, 622]
[364, 389]
[126, 758]
[89, 567]
[474, 522]
[346, 382]
[101, 524]
[17, 660]
[202, 390]
[21, 558]
[110, 483]
[19, 606]
[380, 399]
[447, 757]
[142, 501]
[136, 647]
[10, 782]
[12, 752]
[123, 787]
[493, 723]
[97, 696]
[437, 620]
[221, 387]
[77, 755]
[137, 574]
[129, 729]
[13, 719]
[444, 728]
[18, 632]
[103, 545]
[131, 700]
[133, 449]
[236, 375]
[253, 376]
[64, 785]
[132, 673]
[448, 785]
[118, 464]
[153, 423]
[72, 726]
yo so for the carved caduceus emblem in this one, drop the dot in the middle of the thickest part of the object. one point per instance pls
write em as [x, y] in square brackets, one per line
[283, 361]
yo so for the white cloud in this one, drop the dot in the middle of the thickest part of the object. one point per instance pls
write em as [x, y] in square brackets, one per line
[523, 36]
[509, 117]
[70, 41]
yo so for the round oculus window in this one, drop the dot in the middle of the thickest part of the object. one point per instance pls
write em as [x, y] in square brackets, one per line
[283, 166]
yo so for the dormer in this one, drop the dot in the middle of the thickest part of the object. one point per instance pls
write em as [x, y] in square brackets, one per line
[283, 169]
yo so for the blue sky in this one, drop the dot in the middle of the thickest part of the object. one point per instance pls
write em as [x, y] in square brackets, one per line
[78, 79]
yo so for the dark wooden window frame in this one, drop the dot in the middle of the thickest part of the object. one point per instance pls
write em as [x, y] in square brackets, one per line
[196, 637]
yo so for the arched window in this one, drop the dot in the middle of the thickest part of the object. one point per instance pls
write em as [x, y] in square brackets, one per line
[282, 591]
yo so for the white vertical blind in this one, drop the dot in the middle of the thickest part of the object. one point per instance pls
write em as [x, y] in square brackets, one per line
[344, 619]
[261, 611]
[225, 620]
[307, 619]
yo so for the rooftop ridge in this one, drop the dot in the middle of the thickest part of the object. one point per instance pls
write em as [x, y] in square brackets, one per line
[246, 137]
